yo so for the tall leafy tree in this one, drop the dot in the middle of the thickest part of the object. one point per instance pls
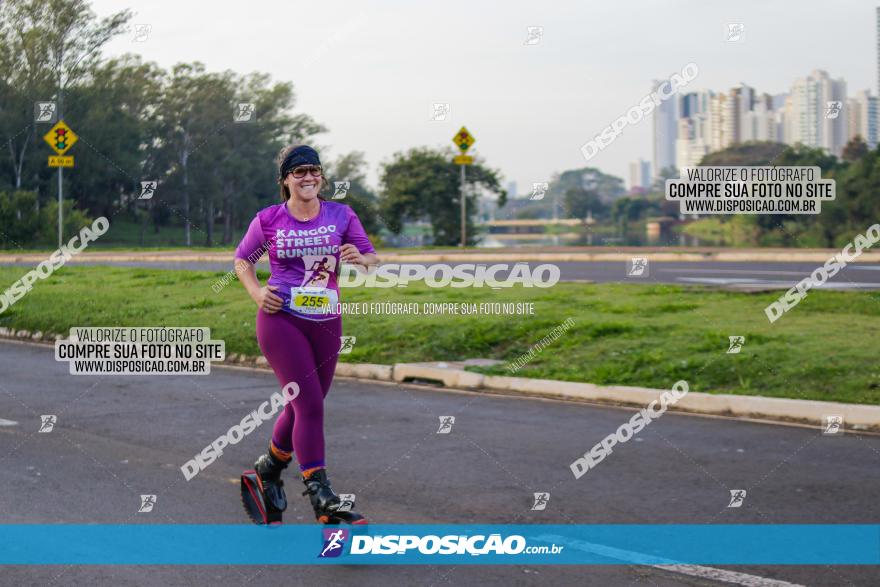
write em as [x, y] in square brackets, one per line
[352, 168]
[424, 183]
[46, 48]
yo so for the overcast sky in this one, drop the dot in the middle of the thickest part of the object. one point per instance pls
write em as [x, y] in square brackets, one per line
[369, 71]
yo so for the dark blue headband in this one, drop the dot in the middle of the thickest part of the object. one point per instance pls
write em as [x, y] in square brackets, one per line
[302, 155]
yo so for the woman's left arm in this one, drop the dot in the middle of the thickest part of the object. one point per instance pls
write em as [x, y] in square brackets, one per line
[356, 240]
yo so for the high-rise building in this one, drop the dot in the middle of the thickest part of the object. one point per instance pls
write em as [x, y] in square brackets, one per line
[760, 123]
[640, 174]
[716, 121]
[511, 189]
[665, 116]
[745, 104]
[819, 118]
[690, 148]
[862, 118]
[853, 119]
[694, 130]
[730, 118]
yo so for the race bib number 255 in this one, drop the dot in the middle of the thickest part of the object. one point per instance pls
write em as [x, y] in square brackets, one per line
[313, 300]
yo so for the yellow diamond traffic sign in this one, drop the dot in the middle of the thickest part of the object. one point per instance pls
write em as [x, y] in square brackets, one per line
[463, 139]
[61, 138]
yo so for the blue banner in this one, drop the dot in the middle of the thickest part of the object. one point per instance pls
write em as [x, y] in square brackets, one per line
[660, 544]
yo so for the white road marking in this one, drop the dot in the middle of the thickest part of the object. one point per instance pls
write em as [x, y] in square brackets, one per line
[780, 284]
[8, 422]
[726, 576]
[746, 271]
[671, 566]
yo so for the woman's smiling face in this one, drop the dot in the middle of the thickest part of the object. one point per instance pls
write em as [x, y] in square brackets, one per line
[305, 188]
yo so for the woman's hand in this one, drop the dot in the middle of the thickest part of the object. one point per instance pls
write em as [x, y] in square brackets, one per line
[268, 301]
[349, 253]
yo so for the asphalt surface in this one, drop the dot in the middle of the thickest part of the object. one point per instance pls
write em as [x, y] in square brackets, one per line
[118, 437]
[747, 275]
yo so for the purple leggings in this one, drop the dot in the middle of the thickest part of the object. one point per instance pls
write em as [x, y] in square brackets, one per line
[305, 352]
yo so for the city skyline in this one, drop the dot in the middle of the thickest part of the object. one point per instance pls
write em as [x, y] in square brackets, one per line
[371, 73]
[818, 111]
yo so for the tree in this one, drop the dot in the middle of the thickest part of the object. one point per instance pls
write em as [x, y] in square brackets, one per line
[746, 154]
[351, 168]
[777, 229]
[46, 46]
[114, 111]
[855, 149]
[606, 187]
[425, 183]
[659, 185]
[577, 201]
[251, 175]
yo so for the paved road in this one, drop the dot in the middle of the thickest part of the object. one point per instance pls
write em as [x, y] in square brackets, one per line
[765, 275]
[119, 437]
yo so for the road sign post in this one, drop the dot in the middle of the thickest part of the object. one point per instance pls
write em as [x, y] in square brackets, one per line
[61, 138]
[463, 215]
[60, 205]
[463, 140]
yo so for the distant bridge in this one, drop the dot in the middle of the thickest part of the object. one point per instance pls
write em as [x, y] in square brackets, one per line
[533, 226]
[535, 222]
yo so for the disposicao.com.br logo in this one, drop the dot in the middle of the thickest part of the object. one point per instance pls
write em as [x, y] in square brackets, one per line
[432, 544]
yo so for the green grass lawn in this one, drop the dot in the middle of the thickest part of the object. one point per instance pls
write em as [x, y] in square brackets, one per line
[623, 334]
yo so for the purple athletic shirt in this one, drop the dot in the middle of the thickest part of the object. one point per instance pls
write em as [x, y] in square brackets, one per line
[304, 256]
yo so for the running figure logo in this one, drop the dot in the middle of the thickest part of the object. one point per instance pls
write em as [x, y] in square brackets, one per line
[736, 344]
[735, 32]
[534, 34]
[539, 190]
[245, 112]
[346, 344]
[147, 503]
[737, 497]
[47, 423]
[334, 543]
[141, 32]
[541, 500]
[446, 423]
[439, 112]
[318, 270]
[637, 267]
[833, 109]
[44, 112]
[148, 188]
[346, 502]
[341, 188]
[832, 425]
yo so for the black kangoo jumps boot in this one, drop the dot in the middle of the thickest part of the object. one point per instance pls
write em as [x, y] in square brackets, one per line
[329, 509]
[262, 490]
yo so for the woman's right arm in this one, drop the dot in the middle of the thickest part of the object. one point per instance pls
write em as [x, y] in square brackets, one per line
[249, 251]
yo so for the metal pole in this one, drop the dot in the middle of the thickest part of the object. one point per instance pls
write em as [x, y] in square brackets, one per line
[60, 206]
[463, 217]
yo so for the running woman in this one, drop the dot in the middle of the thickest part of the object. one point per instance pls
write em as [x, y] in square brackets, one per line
[298, 325]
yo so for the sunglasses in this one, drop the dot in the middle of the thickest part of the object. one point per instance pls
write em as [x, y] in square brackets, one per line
[314, 170]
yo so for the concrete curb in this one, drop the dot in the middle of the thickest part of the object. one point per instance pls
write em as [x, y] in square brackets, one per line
[855, 416]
